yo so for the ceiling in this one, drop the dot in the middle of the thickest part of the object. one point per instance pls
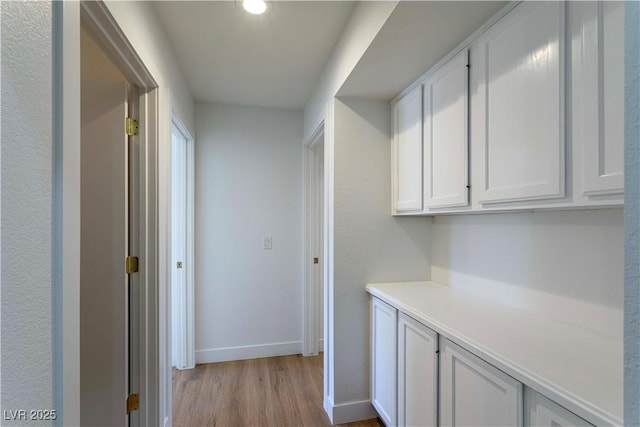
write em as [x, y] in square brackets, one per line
[414, 38]
[229, 56]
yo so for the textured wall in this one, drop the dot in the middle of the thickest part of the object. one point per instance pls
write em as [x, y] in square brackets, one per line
[248, 184]
[632, 215]
[369, 244]
[26, 213]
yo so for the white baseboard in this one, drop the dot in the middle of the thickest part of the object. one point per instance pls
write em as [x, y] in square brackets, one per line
[349, 412]
[248, 352]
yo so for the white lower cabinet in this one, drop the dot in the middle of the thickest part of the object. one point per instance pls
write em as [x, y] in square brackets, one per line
[420, 378]
[472, 392]
[542, 412]
[384, 328]
[417, 373]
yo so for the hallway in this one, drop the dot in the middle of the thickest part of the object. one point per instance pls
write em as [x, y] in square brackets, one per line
[274, 391]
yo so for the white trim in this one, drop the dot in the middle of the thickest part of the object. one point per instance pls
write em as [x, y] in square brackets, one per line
[248, 352]
[154, 99]
[349, 412]
[312, 174]
[186, 358]
[329, 162]
[69, 336]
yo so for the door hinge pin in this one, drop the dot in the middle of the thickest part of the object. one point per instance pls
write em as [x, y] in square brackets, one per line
[131, 264]
[133, 403]
[131, 126]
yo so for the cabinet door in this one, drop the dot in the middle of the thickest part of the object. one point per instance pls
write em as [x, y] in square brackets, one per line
[474, 393]
[383, 360]
[517, 78]
[542, 412]
[601, 97]
[445, 134]
[417, 374]
[407, 153]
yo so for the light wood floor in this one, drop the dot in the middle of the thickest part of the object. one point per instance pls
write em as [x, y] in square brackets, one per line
[274, 391]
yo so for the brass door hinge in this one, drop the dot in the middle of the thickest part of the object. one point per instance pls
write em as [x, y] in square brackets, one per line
[133, 403]
[131, 264]
[131, 126]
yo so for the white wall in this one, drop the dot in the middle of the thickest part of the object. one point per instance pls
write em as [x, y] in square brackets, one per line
[369, 244]
[27, 201]
[364, 24]
[565, 264]
[248, 184]
[139, 22]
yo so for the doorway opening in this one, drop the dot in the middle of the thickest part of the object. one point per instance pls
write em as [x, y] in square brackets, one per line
[182, 247]
[109, 216]
[111, 141]
[314, 218]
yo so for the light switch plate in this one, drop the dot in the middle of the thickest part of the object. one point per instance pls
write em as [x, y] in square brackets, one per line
[266, 242]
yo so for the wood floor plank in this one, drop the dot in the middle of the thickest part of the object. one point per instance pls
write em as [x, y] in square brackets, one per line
[273, 391]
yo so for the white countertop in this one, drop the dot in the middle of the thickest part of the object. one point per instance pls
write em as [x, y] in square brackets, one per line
[579, 369]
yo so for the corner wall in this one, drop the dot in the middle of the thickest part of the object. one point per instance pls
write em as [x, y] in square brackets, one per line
[248, 184]
[369, 245]
[367, 19]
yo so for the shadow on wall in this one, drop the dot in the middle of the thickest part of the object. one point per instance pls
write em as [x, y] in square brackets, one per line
[576, 254]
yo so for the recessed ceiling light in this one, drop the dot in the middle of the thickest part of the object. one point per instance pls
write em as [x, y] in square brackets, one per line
[255, 7]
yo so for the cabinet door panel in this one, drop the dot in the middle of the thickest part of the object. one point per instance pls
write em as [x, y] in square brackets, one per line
[407, 153]
[474, 393]
[445, 113]
[602, 97]
[417, 374]
[518, 69]
[542, 412]
[383, 360]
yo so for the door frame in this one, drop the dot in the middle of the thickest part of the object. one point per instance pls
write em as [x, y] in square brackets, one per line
[186, 357]
[313, 232]
[154, 118]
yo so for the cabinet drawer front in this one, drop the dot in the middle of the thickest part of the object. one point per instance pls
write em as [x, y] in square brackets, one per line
[474, 393]
[518, 108]
[417, 373]
[445, 112]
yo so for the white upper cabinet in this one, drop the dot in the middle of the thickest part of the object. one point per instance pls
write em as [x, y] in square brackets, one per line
[517, 79]
[599, 96]
[417, 374]
[407, 153]
[384, 331]
[474, 393]
[445, 134]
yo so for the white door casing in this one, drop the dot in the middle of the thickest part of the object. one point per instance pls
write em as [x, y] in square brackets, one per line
[182, 244]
